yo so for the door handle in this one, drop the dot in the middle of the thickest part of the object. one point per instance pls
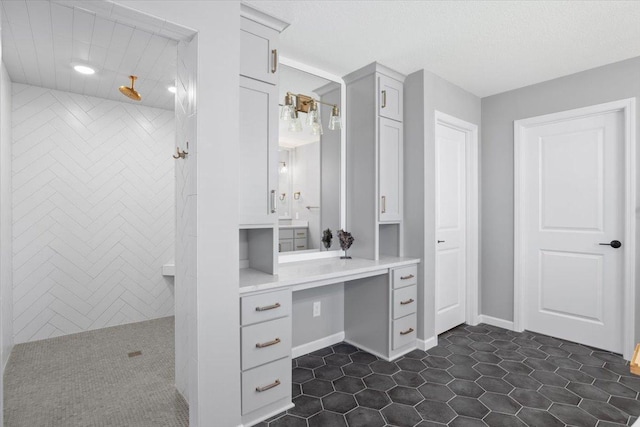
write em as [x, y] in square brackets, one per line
[615, 244]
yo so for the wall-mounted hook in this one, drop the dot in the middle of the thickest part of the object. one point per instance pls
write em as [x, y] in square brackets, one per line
[181, 154]
[283, 196]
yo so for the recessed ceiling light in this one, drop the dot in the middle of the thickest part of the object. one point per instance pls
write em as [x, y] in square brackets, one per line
[172, 89]
[83, 69]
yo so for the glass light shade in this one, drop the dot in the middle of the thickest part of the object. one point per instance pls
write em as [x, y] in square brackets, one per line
[295, 125]
[316, 129]
[335, 122]
[313, 116]
[287, 113]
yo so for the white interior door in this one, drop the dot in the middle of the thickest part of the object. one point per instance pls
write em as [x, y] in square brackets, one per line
[573, 172]
[451, 211]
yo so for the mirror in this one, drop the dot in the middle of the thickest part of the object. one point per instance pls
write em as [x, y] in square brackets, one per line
[310, 163]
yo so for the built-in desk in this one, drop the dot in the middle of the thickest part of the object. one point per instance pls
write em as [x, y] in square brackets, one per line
[380, 308]
[310, 274]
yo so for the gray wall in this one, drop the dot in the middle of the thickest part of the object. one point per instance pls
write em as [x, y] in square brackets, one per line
[424, 93]
[608, 83]
[307, 328]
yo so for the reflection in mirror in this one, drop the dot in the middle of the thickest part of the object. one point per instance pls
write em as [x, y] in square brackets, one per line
[309, 161]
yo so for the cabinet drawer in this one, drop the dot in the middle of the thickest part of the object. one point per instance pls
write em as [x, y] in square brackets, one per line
[285, 245]
[390, 100]
[286, 233]
[404, 331]
[405, 276]
[266, 342]
[258, 308]
[300, 244]
[258, 51]
[405, 301]
[266, 384]
[300, 233]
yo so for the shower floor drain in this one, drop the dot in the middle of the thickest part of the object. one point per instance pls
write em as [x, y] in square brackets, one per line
[135, 353]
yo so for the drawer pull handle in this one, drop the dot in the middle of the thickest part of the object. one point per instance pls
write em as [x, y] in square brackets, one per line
[409, 301]
[408, 331]
[276, 383]
[299, 247]
[300, 234]
[268, 307]
[268, 344]
[411, 276]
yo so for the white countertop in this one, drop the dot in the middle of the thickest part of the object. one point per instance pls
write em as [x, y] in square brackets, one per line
[309, 274]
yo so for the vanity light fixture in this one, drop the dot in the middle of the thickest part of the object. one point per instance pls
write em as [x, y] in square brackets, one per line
[283, 169]
[308, 105]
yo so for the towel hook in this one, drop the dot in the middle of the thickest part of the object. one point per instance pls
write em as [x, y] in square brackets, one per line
[181, 154]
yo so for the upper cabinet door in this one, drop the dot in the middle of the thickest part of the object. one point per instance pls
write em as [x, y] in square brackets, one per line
[258, 152]
[258, 51]
[390, 171]
[389, 98]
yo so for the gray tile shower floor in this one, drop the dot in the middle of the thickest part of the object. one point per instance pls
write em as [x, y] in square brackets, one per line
[89, 380]
[476, 376]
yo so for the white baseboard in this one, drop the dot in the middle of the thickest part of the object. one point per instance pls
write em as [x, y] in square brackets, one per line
[367, 349]
[425, 345]
[312, 346]
[494, 321]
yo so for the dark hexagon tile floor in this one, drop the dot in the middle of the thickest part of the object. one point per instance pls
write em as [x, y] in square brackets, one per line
[476, 376]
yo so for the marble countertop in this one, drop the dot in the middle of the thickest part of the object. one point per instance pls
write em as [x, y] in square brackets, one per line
[318, 272]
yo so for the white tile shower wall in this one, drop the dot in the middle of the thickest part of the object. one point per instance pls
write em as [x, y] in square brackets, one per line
[93, 212]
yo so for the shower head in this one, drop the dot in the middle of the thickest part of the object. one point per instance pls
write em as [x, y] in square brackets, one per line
[130, 92]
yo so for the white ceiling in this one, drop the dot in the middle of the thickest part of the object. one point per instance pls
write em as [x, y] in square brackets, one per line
[42, 39]
[485, 47]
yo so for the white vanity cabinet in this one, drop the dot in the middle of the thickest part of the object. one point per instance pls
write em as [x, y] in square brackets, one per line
[390, 169]
[293, 239]
[258, 140]
[390, 97]
[258, 51]
[265, 354]
[375, 172]
[258, 152]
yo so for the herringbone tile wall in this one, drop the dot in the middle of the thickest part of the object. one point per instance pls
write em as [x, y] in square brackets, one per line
[93, 212]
